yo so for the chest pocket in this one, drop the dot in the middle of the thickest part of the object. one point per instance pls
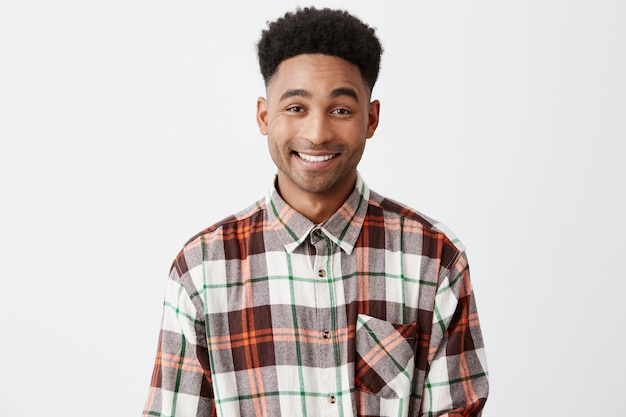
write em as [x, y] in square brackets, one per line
[385, 357]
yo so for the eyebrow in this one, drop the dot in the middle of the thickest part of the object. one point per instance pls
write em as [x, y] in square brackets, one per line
[337, 92]
[298, 92]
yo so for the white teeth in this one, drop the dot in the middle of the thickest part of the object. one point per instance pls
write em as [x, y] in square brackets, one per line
[312, 158]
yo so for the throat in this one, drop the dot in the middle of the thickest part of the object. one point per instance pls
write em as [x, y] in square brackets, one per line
[316, 205]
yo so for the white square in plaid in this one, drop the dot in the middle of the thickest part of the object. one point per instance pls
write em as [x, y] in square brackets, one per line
[396, 289]
[393, 266]
[289, 378]
[284, 290]
[394, 407]
[411, 293]
[177, 321]
[301, 267]
[293, 403]
[401, 284]
[339, 291]
[440, 376]
[225, 384]
[437, 387]
[167, 401]
[323, 380]
[399, 264]
[211, 283]
[446, 300]
[412, 266]
[187, 405]
[279, 290]
[277, 264]
[482, 357]
[312, 386]
[403, 381]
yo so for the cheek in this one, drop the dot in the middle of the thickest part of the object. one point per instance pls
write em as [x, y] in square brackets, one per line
[277, 140]
[283, 131]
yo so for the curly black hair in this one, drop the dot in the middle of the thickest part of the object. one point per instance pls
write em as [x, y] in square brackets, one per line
[320, 31]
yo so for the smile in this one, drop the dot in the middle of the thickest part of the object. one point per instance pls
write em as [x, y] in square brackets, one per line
[315, 158]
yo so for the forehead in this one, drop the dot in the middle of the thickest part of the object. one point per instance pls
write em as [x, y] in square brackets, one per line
[317, 72]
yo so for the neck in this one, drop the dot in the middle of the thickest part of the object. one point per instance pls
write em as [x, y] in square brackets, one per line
[317, 207]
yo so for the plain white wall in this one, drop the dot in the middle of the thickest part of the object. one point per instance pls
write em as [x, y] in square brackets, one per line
[128, 126]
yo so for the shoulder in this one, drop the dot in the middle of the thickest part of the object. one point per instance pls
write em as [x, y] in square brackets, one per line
[221, 239]
[414, 222]
[242, 219]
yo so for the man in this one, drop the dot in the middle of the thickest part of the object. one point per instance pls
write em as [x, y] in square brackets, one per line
[324, 298]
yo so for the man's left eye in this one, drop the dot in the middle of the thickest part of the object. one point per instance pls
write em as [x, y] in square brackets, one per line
[341, 111]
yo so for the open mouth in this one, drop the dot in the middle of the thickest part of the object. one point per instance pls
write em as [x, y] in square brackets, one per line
[315, 158]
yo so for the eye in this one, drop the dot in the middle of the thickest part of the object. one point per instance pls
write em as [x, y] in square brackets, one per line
[295, 109]
[341, 111]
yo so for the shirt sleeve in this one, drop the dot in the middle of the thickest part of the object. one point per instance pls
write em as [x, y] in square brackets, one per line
[456, 378]
[181, 380]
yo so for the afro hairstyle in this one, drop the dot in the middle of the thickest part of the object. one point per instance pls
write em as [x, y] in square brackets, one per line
[320, 31]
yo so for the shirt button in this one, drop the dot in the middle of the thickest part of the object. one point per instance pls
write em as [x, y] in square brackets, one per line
[326, 334]
[332, 399]
[321, 273]
[317, 233]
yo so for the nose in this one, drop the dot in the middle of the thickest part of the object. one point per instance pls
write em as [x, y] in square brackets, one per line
[317, 128]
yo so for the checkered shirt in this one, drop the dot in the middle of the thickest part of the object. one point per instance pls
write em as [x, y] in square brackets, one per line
[369, 314]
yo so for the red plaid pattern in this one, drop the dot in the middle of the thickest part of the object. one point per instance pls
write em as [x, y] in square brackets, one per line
[368, 314]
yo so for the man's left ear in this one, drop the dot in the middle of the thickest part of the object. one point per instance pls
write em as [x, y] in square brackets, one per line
[261, 115]
[372, 121]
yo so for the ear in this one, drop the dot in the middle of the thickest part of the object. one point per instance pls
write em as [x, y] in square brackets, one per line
[261, 115]
[372, 121]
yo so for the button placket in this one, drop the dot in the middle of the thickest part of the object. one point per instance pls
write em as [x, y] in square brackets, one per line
[322, 272]
[320, 243]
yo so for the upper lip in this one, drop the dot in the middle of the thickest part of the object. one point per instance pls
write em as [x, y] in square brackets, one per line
[317, 153]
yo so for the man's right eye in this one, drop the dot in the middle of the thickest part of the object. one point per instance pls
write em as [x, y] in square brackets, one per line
[295, 109]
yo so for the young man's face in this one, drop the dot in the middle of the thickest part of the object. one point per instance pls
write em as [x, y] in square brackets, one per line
[317, 117]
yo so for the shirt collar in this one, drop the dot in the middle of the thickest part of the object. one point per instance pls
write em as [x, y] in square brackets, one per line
[342, 228]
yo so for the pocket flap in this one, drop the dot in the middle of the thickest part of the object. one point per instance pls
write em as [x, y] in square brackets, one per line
[384, 357]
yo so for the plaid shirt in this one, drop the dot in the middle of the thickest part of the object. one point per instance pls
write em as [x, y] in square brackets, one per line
[368, 314]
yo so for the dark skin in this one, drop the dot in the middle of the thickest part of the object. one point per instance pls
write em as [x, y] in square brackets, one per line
[317, 117]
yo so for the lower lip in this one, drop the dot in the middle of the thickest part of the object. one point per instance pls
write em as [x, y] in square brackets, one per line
[316, 165]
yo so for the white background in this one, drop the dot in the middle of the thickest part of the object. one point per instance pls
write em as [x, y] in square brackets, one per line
[128, 126]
